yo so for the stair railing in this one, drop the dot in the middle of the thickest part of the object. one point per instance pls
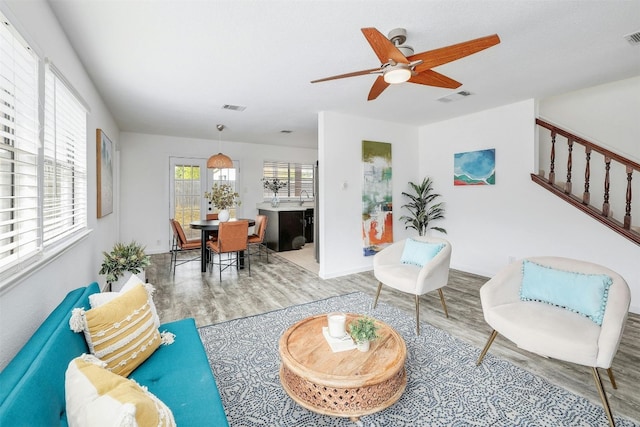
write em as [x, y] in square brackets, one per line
[583, 202]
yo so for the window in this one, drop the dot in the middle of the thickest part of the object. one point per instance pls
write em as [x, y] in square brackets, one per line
[65, 169]
[43, 183]
[223, 176]
[19, 224]
[187, 196]
[190, 180]
[299, 178]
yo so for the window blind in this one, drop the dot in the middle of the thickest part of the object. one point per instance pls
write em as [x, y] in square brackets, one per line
[19, 227]
[297, 176]
[64, 161]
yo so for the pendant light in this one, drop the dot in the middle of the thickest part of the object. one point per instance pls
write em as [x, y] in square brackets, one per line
[219, 161]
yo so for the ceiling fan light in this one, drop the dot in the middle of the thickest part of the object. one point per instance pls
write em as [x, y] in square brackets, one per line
[397, 75]
[219, 161]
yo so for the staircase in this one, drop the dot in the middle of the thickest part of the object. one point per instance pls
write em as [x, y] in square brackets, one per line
[608, 202]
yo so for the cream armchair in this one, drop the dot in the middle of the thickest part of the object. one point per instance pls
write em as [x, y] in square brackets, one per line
[553, 331]
[412, 279]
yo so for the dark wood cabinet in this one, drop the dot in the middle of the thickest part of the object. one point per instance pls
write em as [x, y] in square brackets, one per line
[286, 230]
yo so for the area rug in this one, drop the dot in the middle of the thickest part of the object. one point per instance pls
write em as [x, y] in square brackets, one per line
[444, 385]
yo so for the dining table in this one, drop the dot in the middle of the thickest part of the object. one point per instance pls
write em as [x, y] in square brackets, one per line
[208, 225]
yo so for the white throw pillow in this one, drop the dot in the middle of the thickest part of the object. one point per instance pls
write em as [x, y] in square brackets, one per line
[98, 398]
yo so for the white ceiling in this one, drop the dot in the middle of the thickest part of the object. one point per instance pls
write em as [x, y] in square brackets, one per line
[168, 66]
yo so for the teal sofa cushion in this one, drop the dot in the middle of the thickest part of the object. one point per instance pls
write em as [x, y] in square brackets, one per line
[179, 374]
[419, 253]
[581, 293]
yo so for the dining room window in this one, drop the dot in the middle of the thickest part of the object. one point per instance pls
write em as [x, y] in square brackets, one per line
[187, 195]
[299, 179]
[190, 179]
[224, 176]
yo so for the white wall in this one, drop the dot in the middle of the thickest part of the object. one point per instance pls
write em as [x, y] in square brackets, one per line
[608, 115]
[340, 168]
[28, 301]
[487, 225]
[145, 175]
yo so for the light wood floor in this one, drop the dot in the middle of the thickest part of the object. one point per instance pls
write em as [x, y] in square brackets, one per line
[280, 283]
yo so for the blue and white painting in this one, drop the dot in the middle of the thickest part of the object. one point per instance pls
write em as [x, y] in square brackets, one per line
[475, 167]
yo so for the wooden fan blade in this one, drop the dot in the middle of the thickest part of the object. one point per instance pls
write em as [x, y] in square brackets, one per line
[443, 55]
[342, 76]
[382, 46]
[378, 87]
[431, 78]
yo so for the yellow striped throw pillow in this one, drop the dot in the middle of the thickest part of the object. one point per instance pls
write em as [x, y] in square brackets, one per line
[122, 332]
[98, 398]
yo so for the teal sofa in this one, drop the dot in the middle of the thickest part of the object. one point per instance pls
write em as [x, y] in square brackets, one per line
[32, 385]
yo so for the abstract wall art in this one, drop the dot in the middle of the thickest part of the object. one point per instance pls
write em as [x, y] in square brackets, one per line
[104, 160]
[475, 167]
[377, 206]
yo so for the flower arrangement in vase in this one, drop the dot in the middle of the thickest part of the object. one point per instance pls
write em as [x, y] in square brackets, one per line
[363, 330]
[223, 197]
[274, 185]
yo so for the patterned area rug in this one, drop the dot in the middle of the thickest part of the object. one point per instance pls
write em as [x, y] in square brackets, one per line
[444, 386]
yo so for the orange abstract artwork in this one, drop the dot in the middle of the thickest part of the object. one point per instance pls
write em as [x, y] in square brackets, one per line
[377, 206]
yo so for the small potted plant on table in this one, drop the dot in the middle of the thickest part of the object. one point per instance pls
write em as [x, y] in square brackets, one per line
[363, 330]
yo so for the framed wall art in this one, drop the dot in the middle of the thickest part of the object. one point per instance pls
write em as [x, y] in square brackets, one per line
[377, 206]
[475, 167]
[104, 160]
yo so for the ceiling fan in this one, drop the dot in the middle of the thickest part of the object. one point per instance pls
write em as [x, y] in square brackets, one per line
[399, 64]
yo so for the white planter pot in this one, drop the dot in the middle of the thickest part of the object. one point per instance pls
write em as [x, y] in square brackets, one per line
[223, 215]
[363, 345]
[118, 284]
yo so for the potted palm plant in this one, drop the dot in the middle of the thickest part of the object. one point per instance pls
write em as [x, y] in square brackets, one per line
[123, 261]
[422, 209]
[223, 197]
[363, 330]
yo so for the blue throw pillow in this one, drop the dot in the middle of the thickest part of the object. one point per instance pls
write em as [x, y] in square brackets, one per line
[419, 253]
[581, 293]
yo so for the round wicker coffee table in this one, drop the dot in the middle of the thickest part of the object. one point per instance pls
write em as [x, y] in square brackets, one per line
[345, 384]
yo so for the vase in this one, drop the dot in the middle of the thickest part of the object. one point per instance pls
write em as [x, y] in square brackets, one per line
[223, 215]
[275, 201]
[118, 284]
[363, 345]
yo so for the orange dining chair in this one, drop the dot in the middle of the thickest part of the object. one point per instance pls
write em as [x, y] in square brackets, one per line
[181, 244]
[213, 235]
[232, 241]
[256, 240]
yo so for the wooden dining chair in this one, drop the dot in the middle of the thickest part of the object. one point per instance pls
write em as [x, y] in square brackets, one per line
[181, 244]
[256, 240]
[232, 242]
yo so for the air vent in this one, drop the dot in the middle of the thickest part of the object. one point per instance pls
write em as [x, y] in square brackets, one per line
[286, 131]
[234, 107]
[633, 38]
[455, 96]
